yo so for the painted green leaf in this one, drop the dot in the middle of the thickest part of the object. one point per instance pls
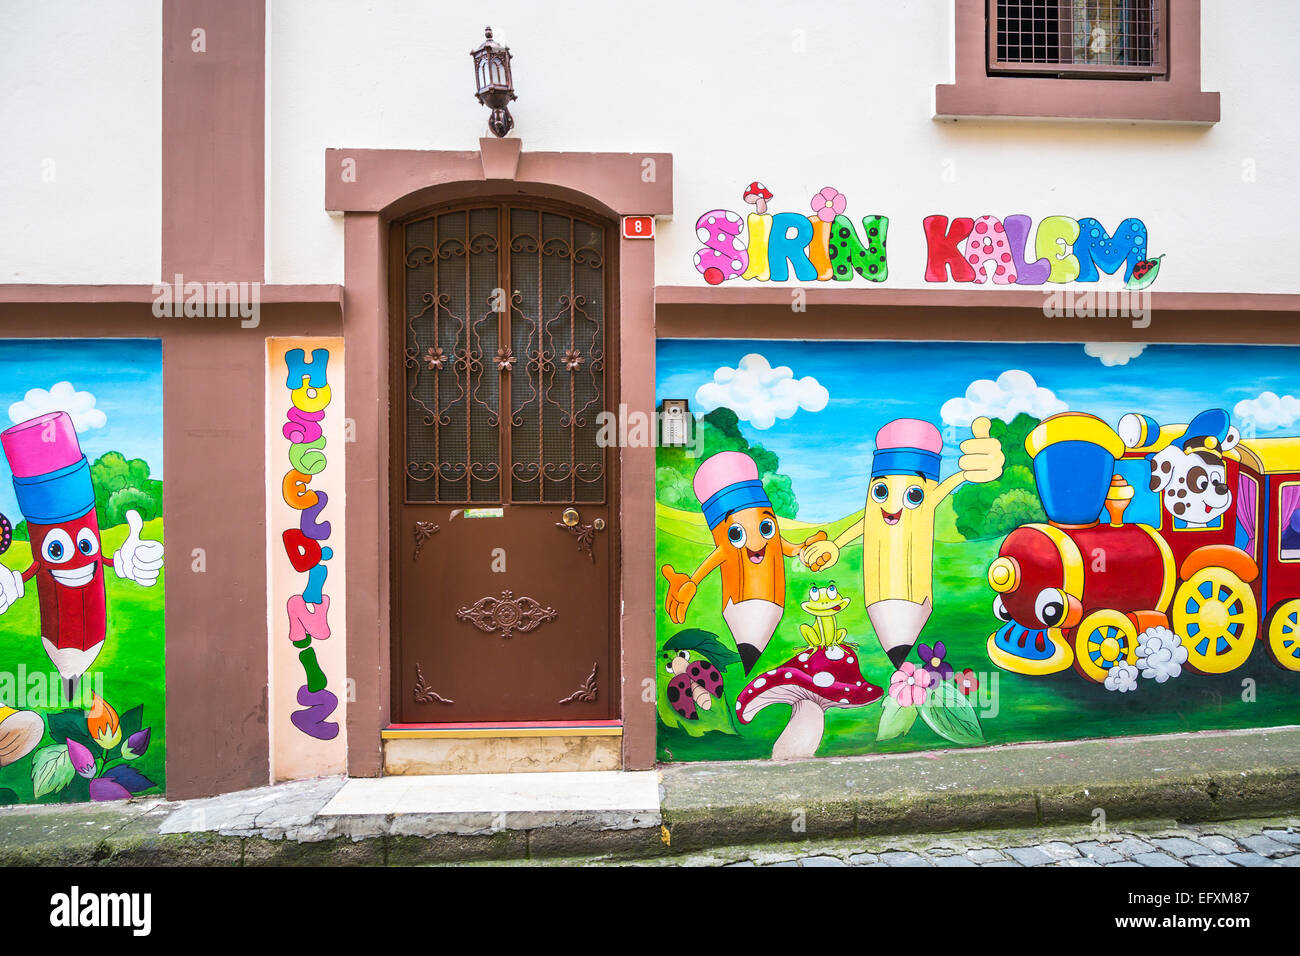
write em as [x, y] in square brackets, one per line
[950, 714]
[7, 797]
[70, 723]
[51, 770]
[895, 719]
[132, 720]
[704, 643]
[1145, 279]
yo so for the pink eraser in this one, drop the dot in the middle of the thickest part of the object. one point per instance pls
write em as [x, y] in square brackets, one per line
[910, 433]
[41, 445]
[723, 469]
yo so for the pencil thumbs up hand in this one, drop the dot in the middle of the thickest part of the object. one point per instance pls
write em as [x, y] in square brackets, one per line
[139, 560]
[981, 455]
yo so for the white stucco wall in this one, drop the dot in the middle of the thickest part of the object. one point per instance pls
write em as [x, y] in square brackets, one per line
[797, 95]
[727, 89]
[80, 141]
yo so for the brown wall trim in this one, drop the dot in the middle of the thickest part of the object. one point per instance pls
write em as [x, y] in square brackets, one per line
[946, 296]
[213, 136]
[41, 294]
[1177, 99]
[375, 188]
[964, 323]
[393, 181]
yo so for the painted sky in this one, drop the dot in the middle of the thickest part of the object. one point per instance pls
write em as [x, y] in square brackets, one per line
[123, 375]
[828, 453]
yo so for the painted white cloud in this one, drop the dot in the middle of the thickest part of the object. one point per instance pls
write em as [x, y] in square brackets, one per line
[760, 394]
[62, 397]
[1013, 392]
[1114, 353]
[1267, 411]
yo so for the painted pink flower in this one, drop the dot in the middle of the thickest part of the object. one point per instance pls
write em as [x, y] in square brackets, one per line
[908, 684]
[82, 760]
[829, 203]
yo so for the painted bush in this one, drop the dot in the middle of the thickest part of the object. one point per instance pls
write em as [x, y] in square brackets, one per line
[81, 570]
[993, 543]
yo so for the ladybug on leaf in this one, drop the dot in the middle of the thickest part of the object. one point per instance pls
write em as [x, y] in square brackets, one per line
[696, 659]
[1144, 273]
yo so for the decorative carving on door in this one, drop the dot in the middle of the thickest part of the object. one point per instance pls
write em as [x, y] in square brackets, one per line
[506, 614]
[589, 690]
[424, 694]
[585, 534]
[424, 530]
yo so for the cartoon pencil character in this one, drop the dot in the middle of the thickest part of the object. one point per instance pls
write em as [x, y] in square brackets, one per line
[55, 494]
[897, 526]
[748, 551]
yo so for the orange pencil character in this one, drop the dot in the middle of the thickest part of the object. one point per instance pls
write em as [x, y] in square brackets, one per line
[749, 550]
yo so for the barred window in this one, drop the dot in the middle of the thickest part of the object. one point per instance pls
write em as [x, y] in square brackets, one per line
[1085, 38]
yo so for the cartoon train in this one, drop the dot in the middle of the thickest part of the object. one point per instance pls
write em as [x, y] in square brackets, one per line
[1209, 547]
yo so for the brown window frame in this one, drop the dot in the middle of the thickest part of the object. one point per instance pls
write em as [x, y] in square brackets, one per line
[1174, 96]
[1065, 67]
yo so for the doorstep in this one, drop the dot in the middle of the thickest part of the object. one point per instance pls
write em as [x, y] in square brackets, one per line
[503, 747]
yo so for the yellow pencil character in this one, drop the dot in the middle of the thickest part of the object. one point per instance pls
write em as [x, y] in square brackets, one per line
[897, 525]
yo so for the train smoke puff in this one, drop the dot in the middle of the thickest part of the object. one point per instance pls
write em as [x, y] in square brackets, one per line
[1161, 654]
[1123, 678]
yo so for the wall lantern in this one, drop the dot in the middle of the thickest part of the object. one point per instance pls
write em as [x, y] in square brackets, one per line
[495, 86]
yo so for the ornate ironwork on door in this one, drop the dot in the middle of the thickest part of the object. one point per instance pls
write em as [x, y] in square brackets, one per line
[505, 355]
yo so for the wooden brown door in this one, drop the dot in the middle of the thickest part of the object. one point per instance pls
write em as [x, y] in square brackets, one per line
[504, 490]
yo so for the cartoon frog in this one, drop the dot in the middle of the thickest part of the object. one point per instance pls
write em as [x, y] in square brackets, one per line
[823, 604]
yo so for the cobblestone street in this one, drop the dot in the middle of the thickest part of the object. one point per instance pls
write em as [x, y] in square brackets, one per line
[1245, 843]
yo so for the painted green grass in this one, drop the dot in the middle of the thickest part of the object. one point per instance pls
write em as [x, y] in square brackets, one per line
[1061, 707]
[132, 661]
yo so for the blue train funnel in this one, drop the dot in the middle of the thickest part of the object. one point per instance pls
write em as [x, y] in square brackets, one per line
[1074, 457]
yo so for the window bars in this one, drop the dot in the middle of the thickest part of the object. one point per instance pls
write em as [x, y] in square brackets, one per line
[1078, 38]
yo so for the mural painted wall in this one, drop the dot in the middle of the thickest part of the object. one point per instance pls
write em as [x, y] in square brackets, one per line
[870, 547]
[307, 655]
[82, 645]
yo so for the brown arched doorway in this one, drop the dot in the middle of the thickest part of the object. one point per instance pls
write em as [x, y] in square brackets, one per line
[503, 482]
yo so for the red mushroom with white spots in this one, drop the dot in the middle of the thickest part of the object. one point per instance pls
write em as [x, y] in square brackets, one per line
[757, 195]
[811, 682]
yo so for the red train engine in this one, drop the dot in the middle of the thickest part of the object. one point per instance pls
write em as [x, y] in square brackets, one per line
[1086, 587]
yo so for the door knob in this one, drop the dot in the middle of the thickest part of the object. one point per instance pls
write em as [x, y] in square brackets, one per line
[570, 517]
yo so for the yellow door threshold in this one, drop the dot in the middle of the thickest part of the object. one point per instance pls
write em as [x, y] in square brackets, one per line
[503, 747]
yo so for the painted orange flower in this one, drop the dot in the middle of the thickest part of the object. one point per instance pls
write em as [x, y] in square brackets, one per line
[103, 723]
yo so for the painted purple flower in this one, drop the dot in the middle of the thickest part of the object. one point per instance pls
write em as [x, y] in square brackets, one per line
[829, 203]
[932, 659]
[83, 761]
[105, 788]
[136, 744]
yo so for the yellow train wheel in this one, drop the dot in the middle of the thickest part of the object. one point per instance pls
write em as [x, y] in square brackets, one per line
[1284, 635]
[1216, 616]
[1102, 640]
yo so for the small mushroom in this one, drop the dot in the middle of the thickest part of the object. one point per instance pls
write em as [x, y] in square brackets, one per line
[811, 682]
[695, 684]
[20, 732]
[757, 195]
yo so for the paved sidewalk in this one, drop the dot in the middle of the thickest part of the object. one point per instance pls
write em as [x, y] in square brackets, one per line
[1272, 842]
[682, 809]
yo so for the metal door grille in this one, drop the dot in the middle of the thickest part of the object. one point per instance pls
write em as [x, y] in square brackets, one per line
[493, 378]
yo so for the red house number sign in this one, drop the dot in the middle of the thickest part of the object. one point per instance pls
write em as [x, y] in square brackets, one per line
[638, 227]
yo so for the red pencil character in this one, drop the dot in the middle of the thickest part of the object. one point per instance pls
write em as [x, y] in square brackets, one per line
[56, 496]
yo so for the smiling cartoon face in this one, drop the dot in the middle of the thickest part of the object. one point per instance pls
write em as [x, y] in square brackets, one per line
[752, 534]
[69, 551]
[896, 500]
[1192, 485]
[825, 602]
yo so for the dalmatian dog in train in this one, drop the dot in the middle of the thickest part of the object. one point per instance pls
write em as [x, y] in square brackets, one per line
[1189, 473]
